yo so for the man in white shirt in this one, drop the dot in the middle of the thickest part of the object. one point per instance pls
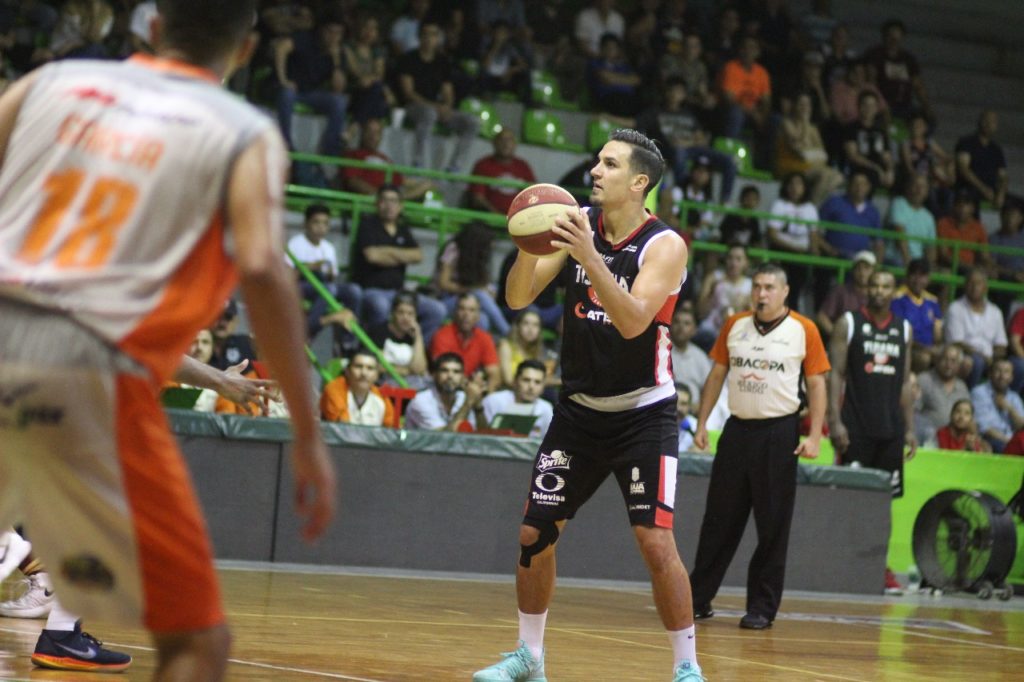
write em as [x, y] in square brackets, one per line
[595, 21]
[523, 398]
[976, 324]
[690, 365]
[316, 252]
[450, 402]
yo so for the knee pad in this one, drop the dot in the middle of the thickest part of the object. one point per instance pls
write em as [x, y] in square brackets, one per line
[548, 536]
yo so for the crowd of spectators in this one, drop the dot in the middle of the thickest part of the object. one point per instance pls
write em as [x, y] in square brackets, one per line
[838, 127]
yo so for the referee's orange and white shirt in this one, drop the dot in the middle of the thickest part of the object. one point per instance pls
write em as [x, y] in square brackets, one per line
[765, 369]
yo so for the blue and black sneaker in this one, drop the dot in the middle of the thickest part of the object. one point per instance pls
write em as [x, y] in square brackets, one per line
[77, 650]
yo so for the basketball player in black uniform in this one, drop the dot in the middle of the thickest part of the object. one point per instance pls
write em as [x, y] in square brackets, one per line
[871, 419]
[616, 413]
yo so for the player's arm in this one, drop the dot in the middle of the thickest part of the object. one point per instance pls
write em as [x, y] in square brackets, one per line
[10, 105]
[254, 211]
[708, 398]
[837, 350]
[907, 400]
[817, 401]
[529, 276]
[230, 383]
[661, 273]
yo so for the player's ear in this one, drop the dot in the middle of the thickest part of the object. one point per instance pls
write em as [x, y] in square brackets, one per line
[641, 181]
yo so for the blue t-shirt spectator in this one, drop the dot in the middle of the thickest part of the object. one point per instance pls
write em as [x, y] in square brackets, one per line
[921, 313]
[916, 222]
[839, 209]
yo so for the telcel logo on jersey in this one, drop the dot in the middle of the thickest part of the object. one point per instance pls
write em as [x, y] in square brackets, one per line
[556, 460]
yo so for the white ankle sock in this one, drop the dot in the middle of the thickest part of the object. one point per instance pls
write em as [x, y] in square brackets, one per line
[60, 619]
[531, 631]
[684, 645]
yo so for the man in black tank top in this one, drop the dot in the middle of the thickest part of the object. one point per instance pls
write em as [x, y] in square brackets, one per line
[616, 414]
[871, 419]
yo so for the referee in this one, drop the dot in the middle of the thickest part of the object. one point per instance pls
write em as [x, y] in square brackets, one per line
[767, 355]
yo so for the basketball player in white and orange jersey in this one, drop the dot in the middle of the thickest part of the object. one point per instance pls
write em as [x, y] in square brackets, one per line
[132, 196]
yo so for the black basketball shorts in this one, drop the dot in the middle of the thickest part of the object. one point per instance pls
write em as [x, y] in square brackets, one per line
[582, 446]
[878, 453]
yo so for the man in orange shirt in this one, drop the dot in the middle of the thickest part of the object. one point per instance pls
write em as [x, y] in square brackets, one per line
[354, 398]
[746, 91]
[963, 226]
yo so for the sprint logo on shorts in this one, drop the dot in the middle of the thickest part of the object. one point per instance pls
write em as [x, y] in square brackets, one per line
[556, 460]
[548, 484]
[637, 486]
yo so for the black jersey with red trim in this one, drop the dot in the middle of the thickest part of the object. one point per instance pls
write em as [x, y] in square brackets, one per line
[596, 359]
[875, 363]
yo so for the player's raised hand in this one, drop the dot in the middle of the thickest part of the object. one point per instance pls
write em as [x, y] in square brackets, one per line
[315, 486]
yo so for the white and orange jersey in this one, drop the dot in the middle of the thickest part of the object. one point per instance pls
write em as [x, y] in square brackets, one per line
[112, 199]
[766, 366]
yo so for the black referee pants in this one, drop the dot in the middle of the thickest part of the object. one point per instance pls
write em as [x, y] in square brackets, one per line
[754, 468]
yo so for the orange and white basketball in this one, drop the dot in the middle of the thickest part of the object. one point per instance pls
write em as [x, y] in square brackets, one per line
[532, 215]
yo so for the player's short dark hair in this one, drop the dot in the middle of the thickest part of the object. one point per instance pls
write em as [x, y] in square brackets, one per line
[645, 157]
[206, 30]
[531, 364]
[445, 358]
[770, 268]
[316, 209]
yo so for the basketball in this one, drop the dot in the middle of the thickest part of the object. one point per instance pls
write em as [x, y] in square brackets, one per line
[532, 215]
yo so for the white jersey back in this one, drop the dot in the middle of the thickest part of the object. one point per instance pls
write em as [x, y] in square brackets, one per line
[112, 193]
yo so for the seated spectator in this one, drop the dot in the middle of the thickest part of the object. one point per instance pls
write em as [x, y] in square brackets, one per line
[848, 296]
[405, 29]
[202, 350]
[695, 187]
[522, 398]
[613, 83]
[310, 70]
[839, 56]
[794, 236]
[523, 342]
[724, 43]
[312, 249]
[961, 433]
[369, 180]
[853, 208]
[745, 230]
[690, 364]
[908, 215]
[920, 154]
[747, 92]
[866, 144]
[595, 22]
[977, 325]
[897, 73]
[1015, 334]
[1008, 267]
[503, 164]
[963, 225]
[844, 99]
[818, 25]
[364, 61]
[81, 28]
[687, 422]
[980, 162]
[941, 389]
[428, 95]
[547, 304]
[463, 266]
[807, 80]
[505, 66]
[354, 398]
[452, 403]
[690, 68]
[801, 150]
[400, 340]
[999, 411]
[676, 127]
[463, 337]
[229, 348]
[725, 291]
[384, 247]
[918, 306]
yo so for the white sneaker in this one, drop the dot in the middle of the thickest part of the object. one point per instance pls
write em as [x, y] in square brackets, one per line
[13, 550]
[35, 603]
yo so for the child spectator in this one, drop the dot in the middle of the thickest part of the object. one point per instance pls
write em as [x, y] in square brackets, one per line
[961, 433]
[400, 339]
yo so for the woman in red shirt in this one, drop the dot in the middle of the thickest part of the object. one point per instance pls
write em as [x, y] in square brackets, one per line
[962, 431]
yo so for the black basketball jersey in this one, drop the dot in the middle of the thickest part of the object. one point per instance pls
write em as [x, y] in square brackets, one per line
[596, 360]
[875, 364]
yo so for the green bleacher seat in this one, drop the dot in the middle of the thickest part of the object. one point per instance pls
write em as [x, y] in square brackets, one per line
[598, 131]
[545, 128]
[547, 92]
[490, 124]
[744, 159]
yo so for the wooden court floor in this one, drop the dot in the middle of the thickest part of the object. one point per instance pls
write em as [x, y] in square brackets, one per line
[373, 628]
